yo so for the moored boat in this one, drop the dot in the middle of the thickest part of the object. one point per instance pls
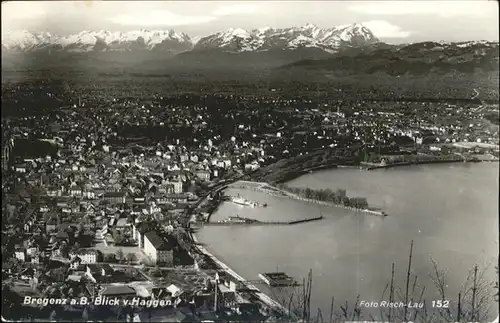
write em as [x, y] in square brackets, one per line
[277, 279]
[237, 219]
[242, 201]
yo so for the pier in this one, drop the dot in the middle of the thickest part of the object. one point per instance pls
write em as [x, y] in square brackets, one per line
[456, 158]
[264, 222]
[274, 191]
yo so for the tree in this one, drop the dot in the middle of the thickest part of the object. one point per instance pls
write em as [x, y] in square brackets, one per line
[146, 262]
[10, 300]
[110, 257]
[359, 202]
[156, 272]
[131, 257]
[65, 249]
[81, 227]
[58, 274]
[14, 263]
[116, 235]
[120, 255]
[118, 238]
[472, 303]
[87, 219]
[341, 193]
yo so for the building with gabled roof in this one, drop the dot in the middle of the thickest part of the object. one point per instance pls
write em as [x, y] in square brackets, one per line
[87, 256]
[139, 229]
[159, 249]
[120, 291]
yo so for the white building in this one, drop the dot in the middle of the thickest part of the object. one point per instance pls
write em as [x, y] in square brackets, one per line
[87, 256]
[20, 255]
[203, 175]
[101, 232]
[177, 185]
[20, 168]
[157, 248]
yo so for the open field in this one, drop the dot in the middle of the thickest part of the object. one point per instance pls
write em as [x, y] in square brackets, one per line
[143, 82]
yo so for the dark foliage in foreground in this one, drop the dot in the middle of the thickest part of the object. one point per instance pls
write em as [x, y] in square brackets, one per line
[474, 302]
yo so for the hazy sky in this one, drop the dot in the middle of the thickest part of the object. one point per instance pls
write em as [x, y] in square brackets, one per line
[392, 21]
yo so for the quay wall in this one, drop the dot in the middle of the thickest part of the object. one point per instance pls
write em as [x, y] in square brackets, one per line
[371, 166]
[268, 301]
[305, 220]
[266, 222]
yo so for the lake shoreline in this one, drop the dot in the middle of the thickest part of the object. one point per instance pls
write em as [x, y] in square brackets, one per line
[254, 291]
[339, 240]
[265, 299]
[368, 166]
[372, 166]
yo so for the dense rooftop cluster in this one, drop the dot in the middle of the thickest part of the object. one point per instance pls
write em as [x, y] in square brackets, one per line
[96, 187]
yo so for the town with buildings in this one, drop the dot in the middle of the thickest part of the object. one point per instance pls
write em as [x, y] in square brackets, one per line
[178, 161]
[99, 194]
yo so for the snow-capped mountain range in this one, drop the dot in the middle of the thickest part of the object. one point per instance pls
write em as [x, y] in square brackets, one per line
[85, 41]
[233, 40]
[330, 40]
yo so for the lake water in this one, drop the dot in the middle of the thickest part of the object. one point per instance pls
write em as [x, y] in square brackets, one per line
[449, 210]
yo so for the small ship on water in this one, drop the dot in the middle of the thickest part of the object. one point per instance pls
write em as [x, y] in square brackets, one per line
[240, 200]
[237, 219]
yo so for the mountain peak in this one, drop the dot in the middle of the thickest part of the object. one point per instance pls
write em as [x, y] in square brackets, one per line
[87, 40]
[357, 25]
[239, 32]
[264, 29]
[232, 39]
[309, 26]
[308, 35]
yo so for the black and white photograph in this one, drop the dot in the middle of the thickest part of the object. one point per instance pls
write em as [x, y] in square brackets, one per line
[250, 161]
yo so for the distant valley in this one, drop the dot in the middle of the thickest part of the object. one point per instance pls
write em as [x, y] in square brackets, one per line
[293, 54]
